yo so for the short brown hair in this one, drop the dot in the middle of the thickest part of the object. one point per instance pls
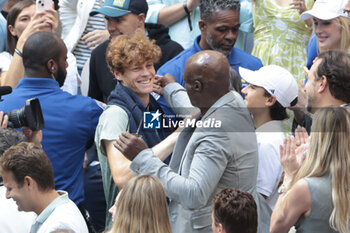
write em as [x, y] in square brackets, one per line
[28, 159]
[335, 66]
[236, 211]
[124, 50]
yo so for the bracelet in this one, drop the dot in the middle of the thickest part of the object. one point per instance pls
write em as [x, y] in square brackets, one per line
[188, 15]
[282, 189]
[18, 52]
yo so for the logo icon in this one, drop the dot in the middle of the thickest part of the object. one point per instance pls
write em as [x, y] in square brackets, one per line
[151, 120]
[119, 3]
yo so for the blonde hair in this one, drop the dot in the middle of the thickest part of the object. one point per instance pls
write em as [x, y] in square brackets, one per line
[124, 50]
[329, 152]
[344, 36]
[141, 207]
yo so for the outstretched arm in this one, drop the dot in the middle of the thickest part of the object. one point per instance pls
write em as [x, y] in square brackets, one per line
[194, 190]
[168, 15]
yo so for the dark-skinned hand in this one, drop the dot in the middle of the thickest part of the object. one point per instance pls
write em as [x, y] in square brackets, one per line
[130, 145]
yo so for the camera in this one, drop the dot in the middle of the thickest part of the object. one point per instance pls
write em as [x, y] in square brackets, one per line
[29, 115]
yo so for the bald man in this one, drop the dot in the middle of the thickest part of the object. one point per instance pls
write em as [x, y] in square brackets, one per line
[218, 152]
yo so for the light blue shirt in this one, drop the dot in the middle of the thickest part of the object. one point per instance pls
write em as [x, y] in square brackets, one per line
[179, 31]
[62, 199]
[2, 4]
[2, 33]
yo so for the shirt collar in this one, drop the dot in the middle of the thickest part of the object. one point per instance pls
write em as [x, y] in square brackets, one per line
[42, 83]
[270, 126]
[62, 199]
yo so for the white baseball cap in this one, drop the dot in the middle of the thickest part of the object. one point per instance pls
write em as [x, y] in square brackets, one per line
[326, 10]
[276, 80]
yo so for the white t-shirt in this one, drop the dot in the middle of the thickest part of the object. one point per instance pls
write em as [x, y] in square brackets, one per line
[61, 213]
[70, 84]
[5, 61]
[10, 217]
[269, 137]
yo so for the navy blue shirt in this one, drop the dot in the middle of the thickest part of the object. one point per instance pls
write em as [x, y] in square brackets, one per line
[70, 122]
[176, 67]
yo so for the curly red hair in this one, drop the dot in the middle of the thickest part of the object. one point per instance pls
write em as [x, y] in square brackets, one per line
[124, 50]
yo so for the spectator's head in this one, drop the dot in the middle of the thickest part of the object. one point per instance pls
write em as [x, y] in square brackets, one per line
[219, 24]
[331, 24]
[26, 170]
[123, 16]
[44, 55]
[271, 87]
[9, 137]
[17, 20]
[328, 80]
[234, 211]
[131, 59]
[235, 81]
[207, 78]
[142, 205]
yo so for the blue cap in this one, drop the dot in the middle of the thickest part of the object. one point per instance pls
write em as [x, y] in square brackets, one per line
[117, 8]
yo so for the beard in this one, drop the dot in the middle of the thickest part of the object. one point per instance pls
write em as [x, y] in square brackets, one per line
[214, 46]
[309, 104]
[61, 76]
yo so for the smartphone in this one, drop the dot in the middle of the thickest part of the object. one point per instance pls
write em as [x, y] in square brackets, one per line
[42, 5]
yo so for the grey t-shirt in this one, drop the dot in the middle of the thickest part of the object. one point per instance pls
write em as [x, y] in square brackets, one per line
[322, 206]
[112, 123]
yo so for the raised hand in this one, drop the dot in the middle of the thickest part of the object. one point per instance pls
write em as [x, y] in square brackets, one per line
[161, 81]
[298, 5]
[292, 157]
[95, 38]
[33, 136]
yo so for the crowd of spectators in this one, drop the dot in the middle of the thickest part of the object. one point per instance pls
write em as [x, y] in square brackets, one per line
[189, 125]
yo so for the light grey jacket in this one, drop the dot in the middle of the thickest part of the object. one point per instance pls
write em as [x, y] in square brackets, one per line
[206, 161]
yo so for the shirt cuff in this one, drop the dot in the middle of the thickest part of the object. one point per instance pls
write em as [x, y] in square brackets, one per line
[140, 160]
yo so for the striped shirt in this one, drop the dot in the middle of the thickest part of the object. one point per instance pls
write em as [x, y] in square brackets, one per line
[81, 51]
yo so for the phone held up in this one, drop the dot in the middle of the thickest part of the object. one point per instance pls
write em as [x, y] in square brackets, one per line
[42, 5]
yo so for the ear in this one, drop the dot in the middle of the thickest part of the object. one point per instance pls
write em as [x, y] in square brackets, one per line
[28, 182]
[221, 229]
[141, 17]
[270, 101]
[197, 85]
[117, 75]
[202, 25]
[12, 30]
[322, 84]
[52, 66]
